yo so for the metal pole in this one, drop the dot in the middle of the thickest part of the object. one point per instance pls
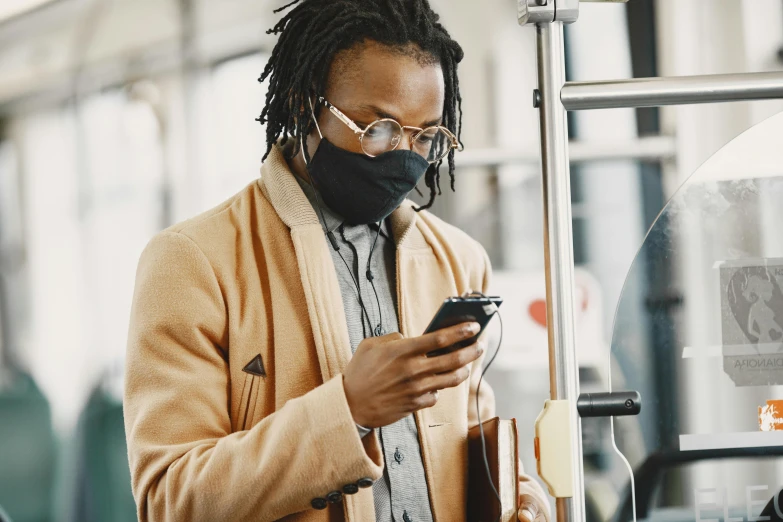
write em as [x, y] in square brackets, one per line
[558, 250]
[653, 92]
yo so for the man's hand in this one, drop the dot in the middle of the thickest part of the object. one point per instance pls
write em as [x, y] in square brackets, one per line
[528, 509]
[390, 377]
[531, 509]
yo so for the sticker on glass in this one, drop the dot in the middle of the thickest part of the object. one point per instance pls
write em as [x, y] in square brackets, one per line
[771, 416]
[752, 321]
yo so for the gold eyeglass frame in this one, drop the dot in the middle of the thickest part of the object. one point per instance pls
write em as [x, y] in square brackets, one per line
[455, 143]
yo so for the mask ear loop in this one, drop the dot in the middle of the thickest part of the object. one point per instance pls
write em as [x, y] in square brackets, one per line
[312, 114]
[318, 128]
[330, 234]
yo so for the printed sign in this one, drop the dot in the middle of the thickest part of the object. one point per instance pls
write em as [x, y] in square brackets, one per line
[752, 321]
[525, 337]
[730, 505]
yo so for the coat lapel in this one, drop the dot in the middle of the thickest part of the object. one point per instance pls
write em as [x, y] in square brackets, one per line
[423, 271]
[424, 279]
[319, 279]
[321, 289]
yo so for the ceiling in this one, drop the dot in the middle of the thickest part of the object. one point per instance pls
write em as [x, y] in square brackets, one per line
[109, 41]
[12, 8]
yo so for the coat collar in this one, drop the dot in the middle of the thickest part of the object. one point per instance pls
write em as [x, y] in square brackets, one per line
[282, 190]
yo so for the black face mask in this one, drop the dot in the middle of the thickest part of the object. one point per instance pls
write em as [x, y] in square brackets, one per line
[362, 189]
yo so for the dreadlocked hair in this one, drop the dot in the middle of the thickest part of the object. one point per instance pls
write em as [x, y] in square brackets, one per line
[314, 31]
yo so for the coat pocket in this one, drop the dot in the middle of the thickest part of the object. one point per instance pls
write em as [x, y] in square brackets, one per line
[246, 409]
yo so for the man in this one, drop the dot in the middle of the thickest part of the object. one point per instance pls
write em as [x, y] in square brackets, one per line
[276, 365]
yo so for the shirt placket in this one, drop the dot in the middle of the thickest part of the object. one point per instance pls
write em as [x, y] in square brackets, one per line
[399, 441]
[404, 466]
[361, 249]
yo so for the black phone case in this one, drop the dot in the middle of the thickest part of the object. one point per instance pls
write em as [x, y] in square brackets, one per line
[456, 310]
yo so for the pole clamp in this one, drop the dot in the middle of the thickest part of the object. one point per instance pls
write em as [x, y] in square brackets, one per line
[554, 432]
[547, 11]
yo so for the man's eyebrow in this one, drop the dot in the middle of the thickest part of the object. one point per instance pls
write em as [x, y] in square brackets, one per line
[380, 113]
[431, 123]
[377, 111]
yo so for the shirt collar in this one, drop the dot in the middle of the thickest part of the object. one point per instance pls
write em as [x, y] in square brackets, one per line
[331, 220]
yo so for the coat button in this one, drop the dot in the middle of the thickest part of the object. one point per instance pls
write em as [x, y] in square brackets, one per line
[334, 497]
[319, 503]
[365, 482]
[398, 456]
[350, 489]
[406, 517]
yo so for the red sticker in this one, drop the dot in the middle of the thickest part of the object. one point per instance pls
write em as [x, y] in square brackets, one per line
[537, 311]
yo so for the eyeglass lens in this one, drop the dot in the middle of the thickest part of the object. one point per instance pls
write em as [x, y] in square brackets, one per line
[382, 136]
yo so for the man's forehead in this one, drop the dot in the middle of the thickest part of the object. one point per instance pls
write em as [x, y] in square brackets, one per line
[376, 76]
[372, 50]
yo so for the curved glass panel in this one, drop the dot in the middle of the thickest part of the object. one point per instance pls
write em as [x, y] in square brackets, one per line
[699, 332]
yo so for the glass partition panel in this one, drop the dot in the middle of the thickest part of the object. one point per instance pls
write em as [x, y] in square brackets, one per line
[699, 332]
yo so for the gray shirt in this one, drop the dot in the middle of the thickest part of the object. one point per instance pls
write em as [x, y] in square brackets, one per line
[401, 494]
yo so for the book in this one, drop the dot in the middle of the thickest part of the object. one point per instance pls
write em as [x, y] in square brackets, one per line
[500, 437]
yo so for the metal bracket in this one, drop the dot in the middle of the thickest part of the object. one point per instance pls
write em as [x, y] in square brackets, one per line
[609, 404]
[553, 448]
[547, 11]
[532, 12]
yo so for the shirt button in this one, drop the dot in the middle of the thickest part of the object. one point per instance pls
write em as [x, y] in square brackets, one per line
[406, 517]
[365, 482]
[319, 503]
[399, 457]
[334, 497]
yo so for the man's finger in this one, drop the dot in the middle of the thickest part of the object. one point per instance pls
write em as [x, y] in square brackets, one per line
[452, 361]
[445, 380]
[442, 338]
[525, 515]
[528, 509]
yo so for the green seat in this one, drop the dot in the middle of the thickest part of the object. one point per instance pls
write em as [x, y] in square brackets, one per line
[27, 451]
[104, 486]
[3, 516]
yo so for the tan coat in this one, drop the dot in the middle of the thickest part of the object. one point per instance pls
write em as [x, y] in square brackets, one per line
[209, 442]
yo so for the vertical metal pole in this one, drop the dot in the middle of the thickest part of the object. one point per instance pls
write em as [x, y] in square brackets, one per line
[558, 250]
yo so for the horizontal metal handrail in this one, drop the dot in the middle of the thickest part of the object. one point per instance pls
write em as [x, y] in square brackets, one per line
[653, 92]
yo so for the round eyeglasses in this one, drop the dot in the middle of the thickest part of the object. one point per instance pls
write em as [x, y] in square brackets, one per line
[384, 135]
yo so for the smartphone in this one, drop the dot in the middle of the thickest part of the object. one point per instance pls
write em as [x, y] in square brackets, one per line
[456, 310]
